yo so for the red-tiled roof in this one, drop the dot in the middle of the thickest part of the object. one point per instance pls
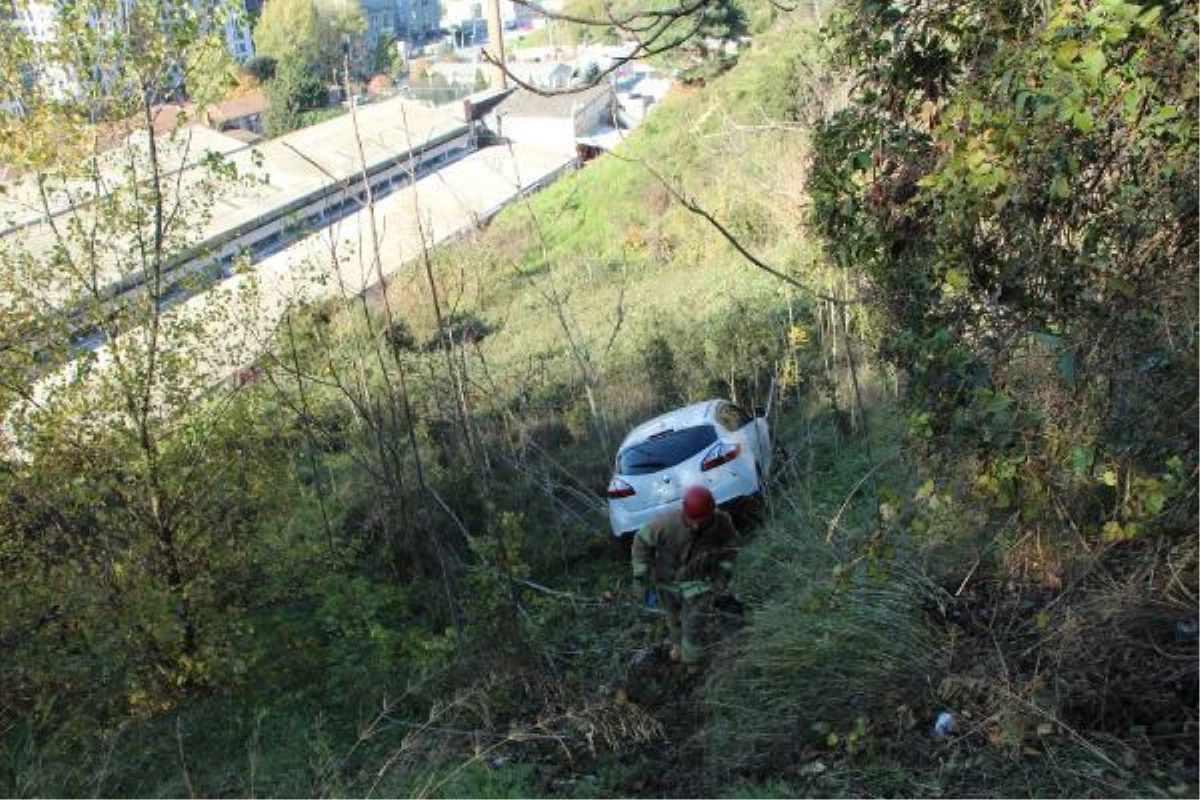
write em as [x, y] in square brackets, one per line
[254, 102]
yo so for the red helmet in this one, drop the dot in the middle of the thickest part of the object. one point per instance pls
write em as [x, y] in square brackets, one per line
[698, 504]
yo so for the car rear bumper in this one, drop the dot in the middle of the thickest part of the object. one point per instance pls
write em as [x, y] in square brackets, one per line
[728, 493]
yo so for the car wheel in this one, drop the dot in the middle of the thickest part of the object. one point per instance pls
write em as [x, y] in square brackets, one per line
[622, 546]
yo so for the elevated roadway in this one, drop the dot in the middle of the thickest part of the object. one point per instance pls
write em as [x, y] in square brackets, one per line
[285, 186]
[234, 323]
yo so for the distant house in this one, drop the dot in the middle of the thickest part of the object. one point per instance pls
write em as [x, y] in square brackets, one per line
[542, 76]
[244, 113]
[457, 73]
[547, 75]
[512, 15]
[416, 20]
[169, 116]
[380, 17]
[458, 12]
[387, 23]
[554, 122]
[637, 93]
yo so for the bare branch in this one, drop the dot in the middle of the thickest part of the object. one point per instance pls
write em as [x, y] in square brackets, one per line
[644, 48]
[694, 207]
[624, 22]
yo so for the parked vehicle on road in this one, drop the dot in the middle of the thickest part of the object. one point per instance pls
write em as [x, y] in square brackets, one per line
[714, 443]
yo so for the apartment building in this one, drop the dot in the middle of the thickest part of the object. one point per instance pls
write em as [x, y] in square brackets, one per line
[418, 19]
[41, 22]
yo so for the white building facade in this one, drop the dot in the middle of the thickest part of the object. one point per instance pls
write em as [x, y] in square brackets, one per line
[418, 19]
[40, 22]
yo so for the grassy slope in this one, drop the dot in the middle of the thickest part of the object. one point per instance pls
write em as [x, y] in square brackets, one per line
[829, 685]
[615, 224]
[612, 234]
[291, 727]
[832, 686]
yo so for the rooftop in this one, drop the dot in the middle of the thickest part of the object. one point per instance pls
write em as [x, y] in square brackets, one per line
[272, 174]
[254, 102]
[524, 103]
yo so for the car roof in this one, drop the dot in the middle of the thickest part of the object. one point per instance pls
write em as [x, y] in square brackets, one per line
[686, 417]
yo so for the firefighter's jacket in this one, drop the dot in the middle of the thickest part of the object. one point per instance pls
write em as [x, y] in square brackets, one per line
[682, 560]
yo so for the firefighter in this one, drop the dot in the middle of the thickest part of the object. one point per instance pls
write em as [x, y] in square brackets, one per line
[688, 555]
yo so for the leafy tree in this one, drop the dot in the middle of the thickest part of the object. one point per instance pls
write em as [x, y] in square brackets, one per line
[261, 68]
[295, 89]
[211, 71]
[340, 28]
[1019, 182]
[313, 32]
[285, 28]
[117, 519]
[396, 62]
[723, 20]
[662, 373]
[383, 56]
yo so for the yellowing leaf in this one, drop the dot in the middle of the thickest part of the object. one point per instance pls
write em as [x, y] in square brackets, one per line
[1150, 17]
[1093, 61]
[1064, 54]
[955, 281]
[1112, 532]
[797, 336]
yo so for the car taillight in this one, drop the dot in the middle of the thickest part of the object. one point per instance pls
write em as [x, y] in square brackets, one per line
[721, 453]
[619, 488]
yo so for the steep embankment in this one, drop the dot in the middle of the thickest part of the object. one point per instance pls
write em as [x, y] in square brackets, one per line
[395, 574]
[311, 588]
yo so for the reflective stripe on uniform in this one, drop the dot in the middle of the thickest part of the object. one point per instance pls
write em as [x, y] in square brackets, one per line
[690, 589]
[691, 651]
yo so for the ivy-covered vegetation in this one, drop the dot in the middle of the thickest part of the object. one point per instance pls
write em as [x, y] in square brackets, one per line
[1016, 185]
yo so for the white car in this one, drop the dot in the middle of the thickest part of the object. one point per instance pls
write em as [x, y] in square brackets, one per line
[714, 444]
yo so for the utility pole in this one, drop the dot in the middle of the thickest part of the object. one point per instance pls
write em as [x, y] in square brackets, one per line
[496, 45]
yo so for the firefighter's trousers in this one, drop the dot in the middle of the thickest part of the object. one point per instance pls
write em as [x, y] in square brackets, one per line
[689, 609]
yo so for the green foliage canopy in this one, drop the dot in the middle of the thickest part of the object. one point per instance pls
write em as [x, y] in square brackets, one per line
[296, 88]
[1019, 181]
[307, 30]
[211, 72]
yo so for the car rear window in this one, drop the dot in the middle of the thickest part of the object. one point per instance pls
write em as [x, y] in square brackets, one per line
[664, 450]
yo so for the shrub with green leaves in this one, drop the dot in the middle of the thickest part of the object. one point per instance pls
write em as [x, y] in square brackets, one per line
[1019, 181]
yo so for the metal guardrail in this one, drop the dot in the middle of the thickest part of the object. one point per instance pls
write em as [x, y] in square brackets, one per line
[217, 263]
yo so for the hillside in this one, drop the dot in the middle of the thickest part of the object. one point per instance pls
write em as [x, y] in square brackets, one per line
[379, 562]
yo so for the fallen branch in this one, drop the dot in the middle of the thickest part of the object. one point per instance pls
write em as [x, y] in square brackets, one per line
[581, 600]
